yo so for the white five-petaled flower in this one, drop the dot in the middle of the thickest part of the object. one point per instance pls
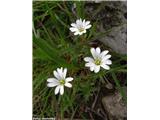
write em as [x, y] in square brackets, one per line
[80, 26]
[100, 59]
[60, 80]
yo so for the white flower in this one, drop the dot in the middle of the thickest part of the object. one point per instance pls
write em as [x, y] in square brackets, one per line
[60, 80]
[100, 59]
[80, 26]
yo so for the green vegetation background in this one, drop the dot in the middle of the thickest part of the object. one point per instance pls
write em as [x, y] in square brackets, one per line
[54, 46]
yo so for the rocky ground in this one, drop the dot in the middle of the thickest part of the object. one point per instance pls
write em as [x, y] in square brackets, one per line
[113, 17]
[107, 102]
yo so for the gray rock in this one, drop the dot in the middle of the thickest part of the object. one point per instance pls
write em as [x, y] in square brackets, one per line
[116, 39]
[113, 15]
[115, 107]
[121, 5]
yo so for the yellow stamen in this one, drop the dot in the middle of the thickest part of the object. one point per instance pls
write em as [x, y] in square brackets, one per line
[62, 82]
[97, 62]
[81, 29]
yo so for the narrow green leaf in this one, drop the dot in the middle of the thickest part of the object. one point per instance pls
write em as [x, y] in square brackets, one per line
[119, 87]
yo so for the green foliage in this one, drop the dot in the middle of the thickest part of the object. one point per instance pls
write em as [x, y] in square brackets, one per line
[53, 47]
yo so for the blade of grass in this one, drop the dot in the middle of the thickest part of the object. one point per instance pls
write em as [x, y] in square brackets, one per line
[65, 9]
[119, 87]
[61, 21]
[54, 20]
[45, 47]
[47, 33]
[80, 9]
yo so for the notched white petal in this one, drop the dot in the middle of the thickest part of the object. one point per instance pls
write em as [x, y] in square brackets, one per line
[80, 20]
[88, 59]
[98, 50]
[84, 22]
[105, 66]
[68, 85]
[52, 84]
[57, 90]
[89, 64]
[96, 69]
[61, 90]
[77, 21]
[104, 53]
[59, 71]
[88, 26]
[73, 29]
[76, 33]
[92, 68]
[93, 51]
[51, 79]
[109, 62]
[87, 23]
[64, 72]
[68, 79]
[73, 25]
[56, 75]
[106, 57]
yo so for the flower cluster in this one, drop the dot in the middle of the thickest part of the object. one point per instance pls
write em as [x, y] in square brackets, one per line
[99, 59]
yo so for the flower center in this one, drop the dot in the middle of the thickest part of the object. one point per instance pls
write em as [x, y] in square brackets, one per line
[81, 29]
[97, 62]
[62, 82]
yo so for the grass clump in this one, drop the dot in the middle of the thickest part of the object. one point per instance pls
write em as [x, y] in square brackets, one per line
[54, 46]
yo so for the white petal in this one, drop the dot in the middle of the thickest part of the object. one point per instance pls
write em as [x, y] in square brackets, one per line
[80, 33]
[93, 51]
[61, 90]
[68, 79]
[56, 75]
[88, 26]
[77, 21]
[87, 23]
[76, 33]
[52, 84]
[96, 69]
[73, 29]
[73, 25]
[104, 53]
[51, 80]
[84, 31]
[64, 72]
[84, 22]
[109, 62]
[60, 73]
[57, 90]
[68, 85]
[92, 68]
[106, 57]
[105, 66]
[88, 59]
[90, 64]
[98, 50]
[80, 20]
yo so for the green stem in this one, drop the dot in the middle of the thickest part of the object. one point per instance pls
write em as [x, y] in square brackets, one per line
[58, 110]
